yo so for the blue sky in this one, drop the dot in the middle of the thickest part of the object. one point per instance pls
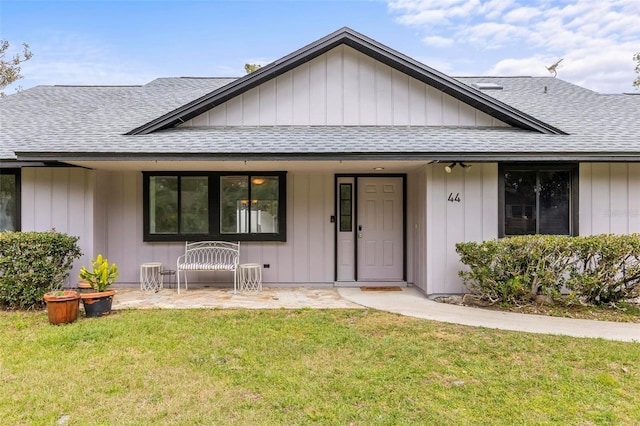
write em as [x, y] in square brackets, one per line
[133, 42]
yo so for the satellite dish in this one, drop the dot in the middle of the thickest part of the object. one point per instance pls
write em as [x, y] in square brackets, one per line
[552, 68]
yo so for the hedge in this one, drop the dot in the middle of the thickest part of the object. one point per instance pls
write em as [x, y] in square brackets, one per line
[33, 263]
[599, 269]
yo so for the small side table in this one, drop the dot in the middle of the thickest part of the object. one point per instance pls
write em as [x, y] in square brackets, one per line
[151, 276]
[250, 277]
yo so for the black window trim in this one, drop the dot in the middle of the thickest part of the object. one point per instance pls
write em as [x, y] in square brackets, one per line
[214, 210]
[17, 172]
[573, 168]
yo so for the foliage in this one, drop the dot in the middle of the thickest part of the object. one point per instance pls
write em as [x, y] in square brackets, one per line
[516, 269]
[249, 68]
[10, 68]
[33, 263]
[102, 275]
[303, 367]
[607, 270]
[599, 269]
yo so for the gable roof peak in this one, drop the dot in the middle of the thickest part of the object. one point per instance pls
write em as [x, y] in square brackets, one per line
[366, 46]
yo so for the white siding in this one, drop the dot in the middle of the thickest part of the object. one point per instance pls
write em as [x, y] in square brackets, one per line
[60, 199]
[307, 257]
[417, 228]
[473, 218]
[609, 198]
[343, 87]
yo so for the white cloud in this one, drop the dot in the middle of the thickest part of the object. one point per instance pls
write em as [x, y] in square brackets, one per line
[438, 41]
[491, 35]
[494, 8]
[597, 38]
[521, 15]
[68, 59]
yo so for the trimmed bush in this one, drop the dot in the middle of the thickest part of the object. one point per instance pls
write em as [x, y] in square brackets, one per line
[33, 263]
[599, 269]
[607, 270]
[515, 270]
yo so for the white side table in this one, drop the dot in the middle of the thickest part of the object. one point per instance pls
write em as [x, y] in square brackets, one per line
[151, 276]
[250, 277]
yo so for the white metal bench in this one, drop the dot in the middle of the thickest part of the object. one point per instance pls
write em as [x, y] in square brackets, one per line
[208, 256]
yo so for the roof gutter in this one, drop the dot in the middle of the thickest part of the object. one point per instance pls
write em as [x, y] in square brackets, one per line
[350, 156]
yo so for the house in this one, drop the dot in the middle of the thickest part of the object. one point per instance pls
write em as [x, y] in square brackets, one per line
[343, 163]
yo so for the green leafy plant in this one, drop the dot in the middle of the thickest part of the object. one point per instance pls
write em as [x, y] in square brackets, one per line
[607, 270]
[32, 264]
[516, 269]
[102, 274]
[598, 269]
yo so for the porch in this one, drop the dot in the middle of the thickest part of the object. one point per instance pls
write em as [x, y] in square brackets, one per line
[223, 298]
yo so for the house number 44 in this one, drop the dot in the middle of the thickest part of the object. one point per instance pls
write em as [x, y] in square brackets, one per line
[452, 198]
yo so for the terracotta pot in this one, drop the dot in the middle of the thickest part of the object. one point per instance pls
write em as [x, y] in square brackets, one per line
[97, 304]
[62, 309]
[84, 287]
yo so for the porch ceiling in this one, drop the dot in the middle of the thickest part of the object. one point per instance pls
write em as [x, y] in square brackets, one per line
[332, 166]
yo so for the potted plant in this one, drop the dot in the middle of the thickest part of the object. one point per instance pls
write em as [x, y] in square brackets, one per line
[98, 302]
[62, 306]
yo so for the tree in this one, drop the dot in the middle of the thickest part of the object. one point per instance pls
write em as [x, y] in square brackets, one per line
[10, 68]
[249, 68]
[636, 57]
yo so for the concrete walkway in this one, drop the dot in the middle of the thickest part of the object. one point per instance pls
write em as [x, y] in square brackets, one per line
[409, 301]
[412, 302]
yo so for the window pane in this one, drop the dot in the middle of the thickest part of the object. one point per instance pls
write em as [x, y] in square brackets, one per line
[8, 219]
[345, 208]
[234, 204]
[163, 204]
[519, 202]
[554, 202]
[194, 204]
[264, 204]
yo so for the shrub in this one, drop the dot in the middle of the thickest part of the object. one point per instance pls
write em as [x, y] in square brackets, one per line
[515, 270]
[33, 263]
[599, 269]
[607, 270]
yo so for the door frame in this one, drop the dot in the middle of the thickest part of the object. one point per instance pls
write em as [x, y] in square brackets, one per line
[336, 217]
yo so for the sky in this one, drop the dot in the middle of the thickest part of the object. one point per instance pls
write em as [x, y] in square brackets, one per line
[92, 42]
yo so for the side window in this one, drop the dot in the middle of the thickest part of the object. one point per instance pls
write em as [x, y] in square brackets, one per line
[9, 199]
[346, 203]
[538, 199]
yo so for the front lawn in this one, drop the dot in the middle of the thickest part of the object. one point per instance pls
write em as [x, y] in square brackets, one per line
[337, 367]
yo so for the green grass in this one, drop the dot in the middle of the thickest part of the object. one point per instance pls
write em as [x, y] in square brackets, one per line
[337, 367]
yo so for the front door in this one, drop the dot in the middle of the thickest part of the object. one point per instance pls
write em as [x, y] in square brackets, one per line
[370, 230]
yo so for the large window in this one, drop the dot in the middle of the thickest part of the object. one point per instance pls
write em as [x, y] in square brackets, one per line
[9, 199]
[220, 206]
[538, 199]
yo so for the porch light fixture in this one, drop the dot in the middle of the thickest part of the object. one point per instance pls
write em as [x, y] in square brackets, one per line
[378, 169]
[450, 167]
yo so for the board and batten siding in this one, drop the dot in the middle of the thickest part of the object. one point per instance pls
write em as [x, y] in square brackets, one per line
[339, 88]
[609, 198]
[473, 218]
[62, 199]
[306, 258]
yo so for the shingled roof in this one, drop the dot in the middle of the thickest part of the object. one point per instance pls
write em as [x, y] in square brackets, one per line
[116, 122]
